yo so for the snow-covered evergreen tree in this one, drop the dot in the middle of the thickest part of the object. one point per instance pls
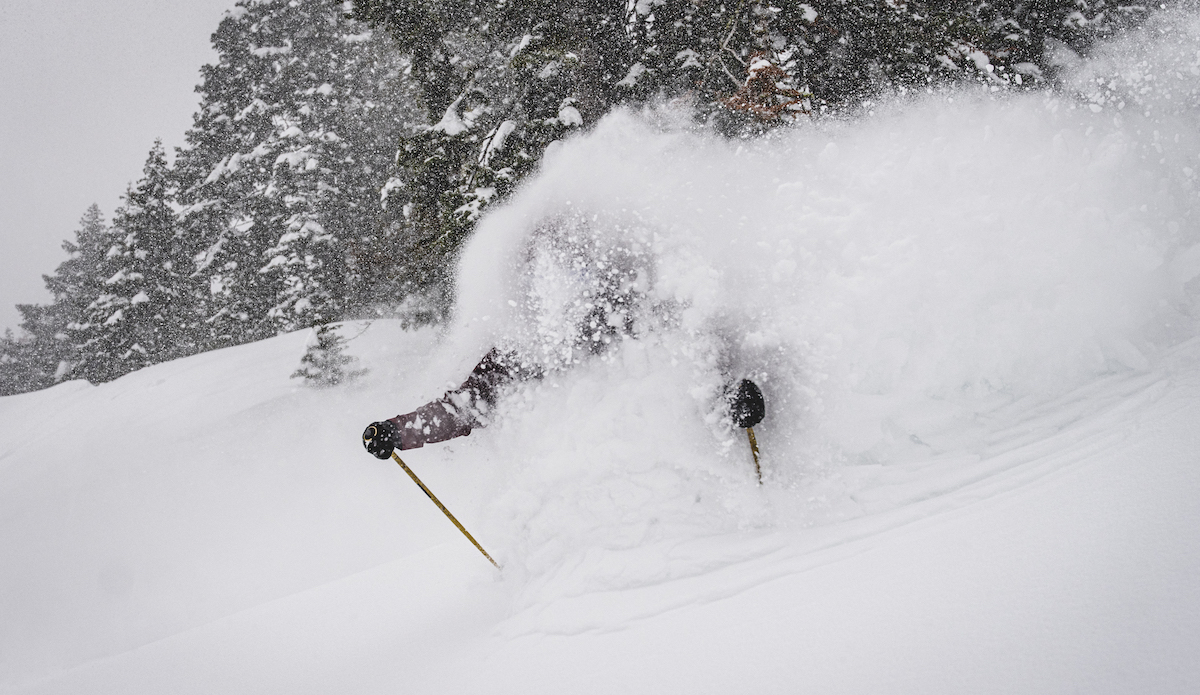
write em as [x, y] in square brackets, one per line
[54, 334]
[143, 313]
[19, 369]
[281, 174]
[324, 362]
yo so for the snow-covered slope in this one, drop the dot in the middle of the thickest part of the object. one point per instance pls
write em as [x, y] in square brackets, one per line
[973, 320]
[206, 526]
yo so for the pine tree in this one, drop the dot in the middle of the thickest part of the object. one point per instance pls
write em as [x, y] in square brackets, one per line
[76, 282]
[54, 334]
[499, 82]
[19, 369]
[281, 174]
[143, 314]
[325, 363]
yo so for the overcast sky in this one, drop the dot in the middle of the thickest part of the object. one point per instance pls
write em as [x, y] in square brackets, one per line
[85, 88]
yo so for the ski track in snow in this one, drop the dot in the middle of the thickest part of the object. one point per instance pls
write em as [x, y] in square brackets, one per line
[1029, 444]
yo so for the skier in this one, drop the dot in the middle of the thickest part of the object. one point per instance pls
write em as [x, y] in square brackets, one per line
[465, 408]
[608, 282]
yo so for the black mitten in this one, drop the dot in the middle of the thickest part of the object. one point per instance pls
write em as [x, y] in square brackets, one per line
[381, 438]
[746, 405]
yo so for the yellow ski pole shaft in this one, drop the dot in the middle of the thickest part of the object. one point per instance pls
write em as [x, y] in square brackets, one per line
[753, 450]
[442, 507]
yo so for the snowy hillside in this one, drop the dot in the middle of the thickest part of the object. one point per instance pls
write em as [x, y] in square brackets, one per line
[972, 318]
[205, 526]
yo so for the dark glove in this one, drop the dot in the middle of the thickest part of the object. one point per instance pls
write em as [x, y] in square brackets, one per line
[746, 405]
[380, 438]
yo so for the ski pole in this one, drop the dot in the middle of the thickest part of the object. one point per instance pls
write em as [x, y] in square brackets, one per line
[754, 450]
[442, 507]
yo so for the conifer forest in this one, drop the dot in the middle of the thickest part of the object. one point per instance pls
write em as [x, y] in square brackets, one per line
[341, 153]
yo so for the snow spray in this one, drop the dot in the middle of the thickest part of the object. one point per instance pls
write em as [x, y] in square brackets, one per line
[887, 280]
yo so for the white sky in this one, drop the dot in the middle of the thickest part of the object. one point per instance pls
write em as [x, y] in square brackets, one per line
[85, 88]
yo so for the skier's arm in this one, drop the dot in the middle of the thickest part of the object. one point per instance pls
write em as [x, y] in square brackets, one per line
[435, 421]
[455, 414]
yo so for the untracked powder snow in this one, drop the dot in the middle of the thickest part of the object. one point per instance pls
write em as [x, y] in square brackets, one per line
[973, 316]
